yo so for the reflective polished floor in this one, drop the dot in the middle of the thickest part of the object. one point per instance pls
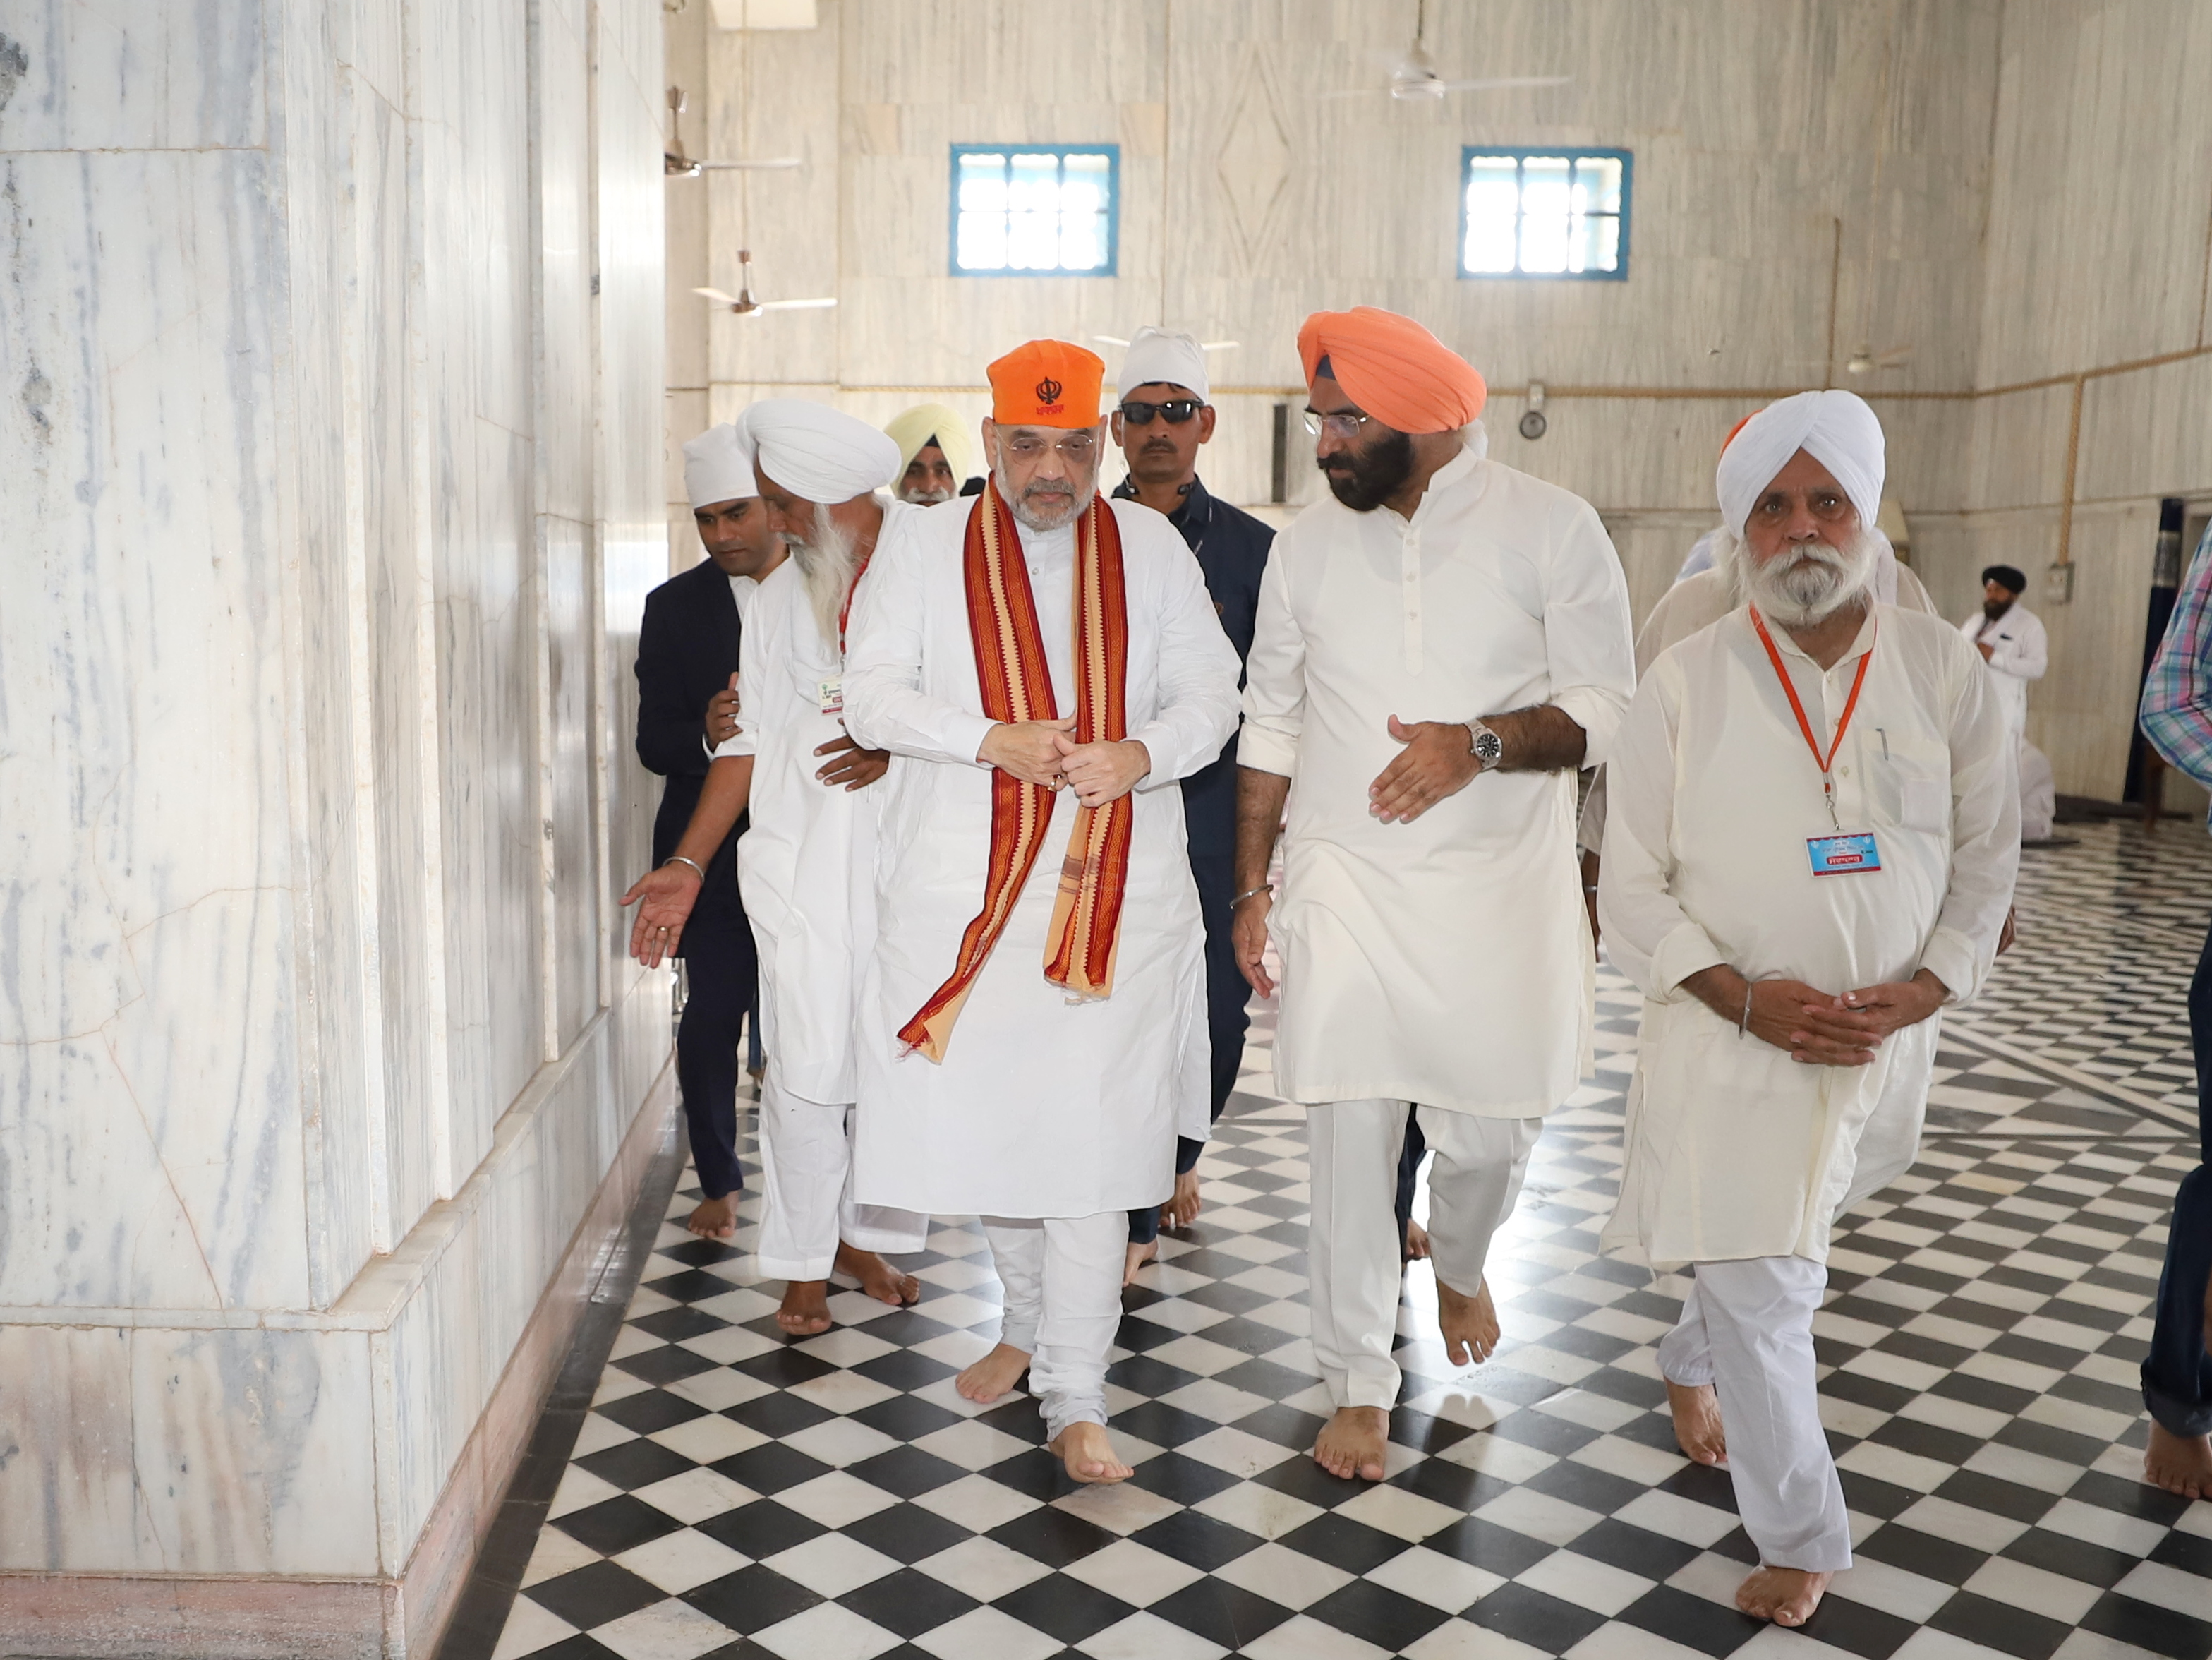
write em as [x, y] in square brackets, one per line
[714, 1489]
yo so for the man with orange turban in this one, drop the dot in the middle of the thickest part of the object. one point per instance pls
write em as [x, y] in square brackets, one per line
[1437, 619]
[1044, 665]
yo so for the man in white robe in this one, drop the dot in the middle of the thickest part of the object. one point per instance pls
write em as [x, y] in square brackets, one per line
[1439, 646]
[2013, 641]
[1810, 849]
[1028, 1055]
[804, 863]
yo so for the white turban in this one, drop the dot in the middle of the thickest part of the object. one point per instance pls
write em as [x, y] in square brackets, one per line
[718, 466]
[1836, 429]
[817, 453]
[1162, 356]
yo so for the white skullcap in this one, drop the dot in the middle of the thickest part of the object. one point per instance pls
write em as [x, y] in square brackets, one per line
[718, 466]
[1165, 357]
[817, 453]
[1836, 429]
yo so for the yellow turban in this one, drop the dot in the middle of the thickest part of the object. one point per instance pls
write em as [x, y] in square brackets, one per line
[934, 424]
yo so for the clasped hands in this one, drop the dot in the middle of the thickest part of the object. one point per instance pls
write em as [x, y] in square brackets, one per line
[1042, 752]
[1817, 1028]
[853, 766]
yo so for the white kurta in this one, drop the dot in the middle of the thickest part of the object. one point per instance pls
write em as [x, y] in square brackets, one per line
[2019, 651]
[1042, 1107]
[1735, 1150]
[805, 862]
[1447, 961]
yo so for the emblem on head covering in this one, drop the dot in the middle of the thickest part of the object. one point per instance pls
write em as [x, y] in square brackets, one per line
[1049, 383]
[1048, 391]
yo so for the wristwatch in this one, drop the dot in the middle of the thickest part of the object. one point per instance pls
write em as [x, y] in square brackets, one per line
[1486, 746]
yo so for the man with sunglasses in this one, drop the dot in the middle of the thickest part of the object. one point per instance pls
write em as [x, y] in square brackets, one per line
[1437, 619]
[1163, 419]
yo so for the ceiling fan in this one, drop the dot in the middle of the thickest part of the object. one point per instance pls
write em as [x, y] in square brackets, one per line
[1415, 75]
[677, 165]
[743, 303]
[1866, 359]
[1204, 345]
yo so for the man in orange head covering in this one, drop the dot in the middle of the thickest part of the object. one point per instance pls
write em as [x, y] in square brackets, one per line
[1436, 620]
[1032, 1034]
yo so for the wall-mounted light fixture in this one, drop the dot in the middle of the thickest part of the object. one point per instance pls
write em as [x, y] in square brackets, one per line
[1532, 423]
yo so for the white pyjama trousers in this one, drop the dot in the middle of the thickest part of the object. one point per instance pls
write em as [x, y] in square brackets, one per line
[1062, 1276]
[1746, 1329]
[806, 1189]
[1354, 1254]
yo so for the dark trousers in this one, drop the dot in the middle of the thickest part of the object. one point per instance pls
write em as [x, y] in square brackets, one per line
[1409, 1169]
[720, 970]
[1227, 1019]
[2177, 1373]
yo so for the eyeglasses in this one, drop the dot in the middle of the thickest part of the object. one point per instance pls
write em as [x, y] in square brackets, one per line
[1076, 447]
[1347, 425]
[1175, 410]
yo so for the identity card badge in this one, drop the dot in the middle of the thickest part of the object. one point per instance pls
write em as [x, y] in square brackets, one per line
[1853, 854]
[832, 692]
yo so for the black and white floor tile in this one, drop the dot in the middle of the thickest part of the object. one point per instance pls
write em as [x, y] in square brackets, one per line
[730, 1493]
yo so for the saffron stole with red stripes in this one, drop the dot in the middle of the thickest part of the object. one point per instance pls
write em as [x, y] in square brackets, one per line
[1017, 685]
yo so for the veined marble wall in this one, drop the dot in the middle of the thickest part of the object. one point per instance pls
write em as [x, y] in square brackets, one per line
[332, 336]
[1807, 172]
[2016, 191]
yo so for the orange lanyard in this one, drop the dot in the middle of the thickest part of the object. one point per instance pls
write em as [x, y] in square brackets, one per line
[1828, 762]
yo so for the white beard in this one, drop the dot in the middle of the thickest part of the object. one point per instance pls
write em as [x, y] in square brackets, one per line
[925, 498]
[1037, 518]
[1806, 586]
[826, 562]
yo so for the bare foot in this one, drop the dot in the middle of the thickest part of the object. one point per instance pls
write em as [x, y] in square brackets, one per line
[878, 1278]
[994, 1374]
[1352, 1443]
[805, 1310]
[1137, 1257]
[1469, 1324]
[1088, 1454]
[1182, 1209]
[1696, 1410]
[1785, 1596]
[1417, 1243]
[2179, 1463]
[715, 1218]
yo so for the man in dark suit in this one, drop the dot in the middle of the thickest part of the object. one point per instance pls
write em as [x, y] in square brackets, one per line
[687, 665]
[1163, 419]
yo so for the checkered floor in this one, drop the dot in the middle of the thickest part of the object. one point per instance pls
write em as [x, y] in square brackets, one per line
[732, 1493]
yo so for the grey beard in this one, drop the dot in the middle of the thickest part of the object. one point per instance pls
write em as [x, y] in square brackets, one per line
[1040, 519]
[826, 561]
[1809, 585]
[925, 498]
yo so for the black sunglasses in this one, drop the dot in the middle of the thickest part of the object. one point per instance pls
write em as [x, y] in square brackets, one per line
[1176, 409]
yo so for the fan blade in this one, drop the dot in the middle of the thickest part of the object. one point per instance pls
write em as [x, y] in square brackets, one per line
[718, 296]
[1110, 340]
[1219, 345]
[1895, 357]
[1500, 82]
[1359, 92]
[795, 305]
[756, 164]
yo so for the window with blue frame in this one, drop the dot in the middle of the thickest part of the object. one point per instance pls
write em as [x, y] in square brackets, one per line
[1544, 213]
[1035, 210]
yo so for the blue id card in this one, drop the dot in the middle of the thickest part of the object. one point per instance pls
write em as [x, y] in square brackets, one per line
[1853, 854]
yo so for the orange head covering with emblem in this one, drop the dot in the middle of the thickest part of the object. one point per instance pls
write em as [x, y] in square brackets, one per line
[1392, 369]
[1047, 383]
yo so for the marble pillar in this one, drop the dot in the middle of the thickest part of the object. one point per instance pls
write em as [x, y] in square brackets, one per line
[330, 371]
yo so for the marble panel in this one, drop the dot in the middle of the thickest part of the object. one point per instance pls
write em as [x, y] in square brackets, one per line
[2096, 239]
[179, 77]
[2146, 433]
[573, 872]
[562, 158]
[2019, 455]
[235, 1452]
[145, 787]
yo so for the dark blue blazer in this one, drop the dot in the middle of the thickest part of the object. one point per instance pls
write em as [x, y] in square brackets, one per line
[1231, 546]
[687, 650]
